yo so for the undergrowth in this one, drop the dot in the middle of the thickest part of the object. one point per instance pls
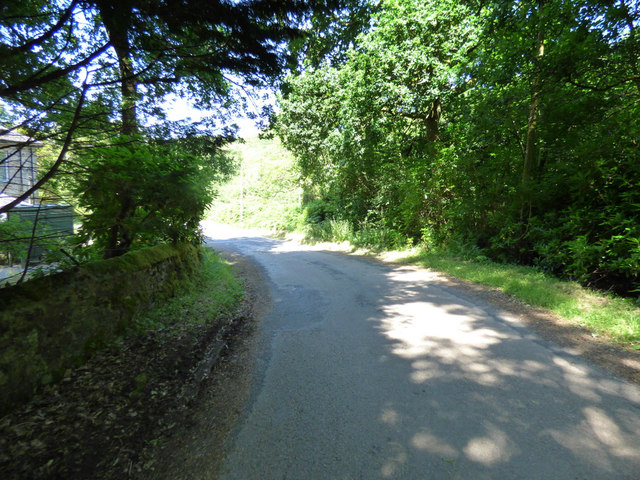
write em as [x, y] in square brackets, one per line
[365, 236]
[212, 294]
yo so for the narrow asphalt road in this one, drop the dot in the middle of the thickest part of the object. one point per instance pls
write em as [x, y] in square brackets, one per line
[374, 371]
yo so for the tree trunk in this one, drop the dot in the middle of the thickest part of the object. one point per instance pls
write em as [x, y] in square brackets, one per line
[118, 25]
[532, 123]
[120, 238]
[433, 121]
[632, 41]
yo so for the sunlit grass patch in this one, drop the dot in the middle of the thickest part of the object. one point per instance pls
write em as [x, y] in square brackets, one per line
[603, 314]
[212, 294]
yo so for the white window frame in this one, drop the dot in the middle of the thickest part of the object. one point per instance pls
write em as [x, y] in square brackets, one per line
[4, 167]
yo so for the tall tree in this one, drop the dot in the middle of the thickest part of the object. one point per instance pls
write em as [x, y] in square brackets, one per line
[534, 112]
[99, 70]
[382, 110]
[509, 127]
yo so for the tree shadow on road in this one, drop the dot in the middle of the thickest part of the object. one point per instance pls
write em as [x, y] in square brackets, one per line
[499, 401]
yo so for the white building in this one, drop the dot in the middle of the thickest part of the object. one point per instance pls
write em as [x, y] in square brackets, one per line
[18, 167]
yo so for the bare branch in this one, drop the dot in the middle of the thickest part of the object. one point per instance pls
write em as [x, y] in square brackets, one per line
[38, 80]
[48, 34]
[33, 236]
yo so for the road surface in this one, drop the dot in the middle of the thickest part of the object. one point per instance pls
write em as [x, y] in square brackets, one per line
[373, 371]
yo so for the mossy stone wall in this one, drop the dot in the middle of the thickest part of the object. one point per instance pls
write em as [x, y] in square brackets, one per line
[51, 324]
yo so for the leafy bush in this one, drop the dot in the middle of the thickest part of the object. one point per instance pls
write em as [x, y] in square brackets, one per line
[378, 237]
[139, 193]
[318, 211]
[15, 234]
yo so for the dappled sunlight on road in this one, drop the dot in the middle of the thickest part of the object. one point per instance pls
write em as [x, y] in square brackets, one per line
[493, 447]
[492, 392]
[424, 338]
[577, 380]
[430, 443]
[394, 461]
[604, 438]
[417, 338]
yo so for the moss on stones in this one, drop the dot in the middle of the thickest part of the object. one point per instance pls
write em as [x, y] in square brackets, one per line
[53, 323]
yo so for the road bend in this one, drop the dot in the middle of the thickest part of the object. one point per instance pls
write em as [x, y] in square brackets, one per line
[373, 371]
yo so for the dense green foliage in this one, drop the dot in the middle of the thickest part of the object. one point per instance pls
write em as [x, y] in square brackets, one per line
[15, 234]
[507, 128]
[144, 193]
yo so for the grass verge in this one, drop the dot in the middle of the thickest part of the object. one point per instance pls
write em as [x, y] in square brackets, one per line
[212, 294]
[615, 318]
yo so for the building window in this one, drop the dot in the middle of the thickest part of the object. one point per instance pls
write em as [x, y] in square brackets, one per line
[4, 166]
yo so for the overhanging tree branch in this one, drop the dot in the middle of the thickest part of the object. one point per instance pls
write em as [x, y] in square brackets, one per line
[51, 172]
[633, 78]
[48, 34]
[39, 80]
